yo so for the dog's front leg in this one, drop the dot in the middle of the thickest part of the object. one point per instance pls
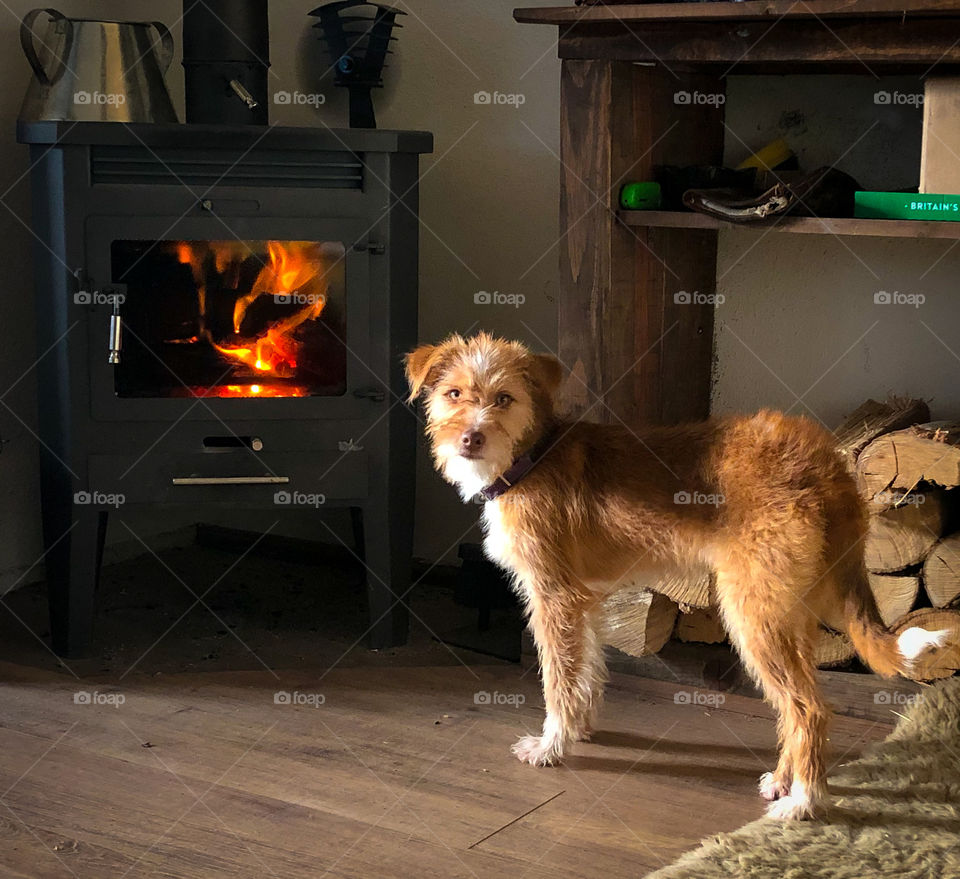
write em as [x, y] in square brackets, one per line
[561, 631]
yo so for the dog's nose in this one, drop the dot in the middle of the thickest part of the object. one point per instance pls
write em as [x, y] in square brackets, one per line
[472, 441]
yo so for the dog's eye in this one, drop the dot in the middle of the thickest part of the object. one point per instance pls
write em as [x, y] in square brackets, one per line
[453, 394]
[504, 400]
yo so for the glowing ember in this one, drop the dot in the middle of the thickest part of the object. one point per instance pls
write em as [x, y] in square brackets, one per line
[249, 391]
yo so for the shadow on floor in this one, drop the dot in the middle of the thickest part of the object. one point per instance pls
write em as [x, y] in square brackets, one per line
[197, 608]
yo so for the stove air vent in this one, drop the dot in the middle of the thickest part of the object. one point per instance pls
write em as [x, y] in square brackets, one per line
[211, 168]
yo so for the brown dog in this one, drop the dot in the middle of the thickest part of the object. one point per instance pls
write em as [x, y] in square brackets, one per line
[572, 508]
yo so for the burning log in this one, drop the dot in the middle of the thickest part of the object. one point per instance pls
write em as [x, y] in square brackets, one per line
[291, 275]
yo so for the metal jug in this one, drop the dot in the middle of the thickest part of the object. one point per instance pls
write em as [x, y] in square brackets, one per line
[97, 71]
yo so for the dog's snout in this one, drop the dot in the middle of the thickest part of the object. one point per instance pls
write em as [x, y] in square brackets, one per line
[472, 441]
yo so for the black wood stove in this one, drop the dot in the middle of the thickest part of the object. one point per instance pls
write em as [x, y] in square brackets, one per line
[222, 312]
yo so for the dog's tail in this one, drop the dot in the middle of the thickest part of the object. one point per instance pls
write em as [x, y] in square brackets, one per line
[886, 653]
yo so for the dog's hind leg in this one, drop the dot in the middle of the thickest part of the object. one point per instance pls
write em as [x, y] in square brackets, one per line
[572, 673]
[775, 642]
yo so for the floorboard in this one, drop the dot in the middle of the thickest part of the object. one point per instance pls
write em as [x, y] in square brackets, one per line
[183, 762]
[376, 771]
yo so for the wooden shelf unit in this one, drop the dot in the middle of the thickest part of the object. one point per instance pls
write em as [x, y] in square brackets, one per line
[768, 10]
[621, 330]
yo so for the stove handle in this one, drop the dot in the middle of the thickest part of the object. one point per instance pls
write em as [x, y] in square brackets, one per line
[116, 335]
[241, 92]
[230, 480]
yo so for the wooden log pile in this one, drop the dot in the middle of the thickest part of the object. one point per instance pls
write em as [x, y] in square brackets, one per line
[910, 478]
[908, 472]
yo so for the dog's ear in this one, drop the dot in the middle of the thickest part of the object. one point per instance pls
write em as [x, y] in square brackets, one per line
[546, 371]
[419, 364]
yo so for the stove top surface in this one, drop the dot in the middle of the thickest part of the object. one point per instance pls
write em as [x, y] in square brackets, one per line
[228, 137]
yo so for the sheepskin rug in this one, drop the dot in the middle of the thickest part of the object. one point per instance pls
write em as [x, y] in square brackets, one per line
[895, 812]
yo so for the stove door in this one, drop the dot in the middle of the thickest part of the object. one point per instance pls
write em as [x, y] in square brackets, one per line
[203, 318]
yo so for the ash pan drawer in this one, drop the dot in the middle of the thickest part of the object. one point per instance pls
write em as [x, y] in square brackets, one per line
[288, 479]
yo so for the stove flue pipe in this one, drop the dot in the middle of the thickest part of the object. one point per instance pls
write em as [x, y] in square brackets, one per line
[226, 57]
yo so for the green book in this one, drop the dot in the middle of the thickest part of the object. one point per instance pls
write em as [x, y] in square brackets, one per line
[906, 206]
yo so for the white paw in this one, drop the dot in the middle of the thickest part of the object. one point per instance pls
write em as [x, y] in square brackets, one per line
[794, 807]
[772, 789]
[533, 750]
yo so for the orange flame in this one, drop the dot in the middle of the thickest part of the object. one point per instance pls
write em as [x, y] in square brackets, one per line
[292, 276]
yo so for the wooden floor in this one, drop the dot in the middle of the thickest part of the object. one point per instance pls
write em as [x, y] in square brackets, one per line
[401, 771]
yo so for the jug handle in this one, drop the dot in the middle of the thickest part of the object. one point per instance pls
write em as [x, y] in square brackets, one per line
[166, 46]
[26, 42]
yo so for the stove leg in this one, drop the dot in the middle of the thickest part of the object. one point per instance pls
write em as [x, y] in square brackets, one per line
[388, 555]
[73, 574]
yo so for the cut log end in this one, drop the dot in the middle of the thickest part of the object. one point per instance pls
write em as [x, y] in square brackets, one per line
[832, 649]
[901, 536]
[873, 419]
[701, 625]
[894, 595]
[901, 460]
[941, 572]
[637, 622]
[938, 662]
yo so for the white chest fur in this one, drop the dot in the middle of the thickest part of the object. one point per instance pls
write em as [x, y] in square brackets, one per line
[496, 542]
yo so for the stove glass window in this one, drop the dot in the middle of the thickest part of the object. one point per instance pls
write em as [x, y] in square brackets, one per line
[231, 318]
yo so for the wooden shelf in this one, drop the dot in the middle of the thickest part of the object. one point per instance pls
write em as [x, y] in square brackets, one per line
[803, 225]
[751, 9]
[648, 357]
[758, 36]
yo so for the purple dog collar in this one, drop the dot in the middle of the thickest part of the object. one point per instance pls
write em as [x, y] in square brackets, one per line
[518, 469]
